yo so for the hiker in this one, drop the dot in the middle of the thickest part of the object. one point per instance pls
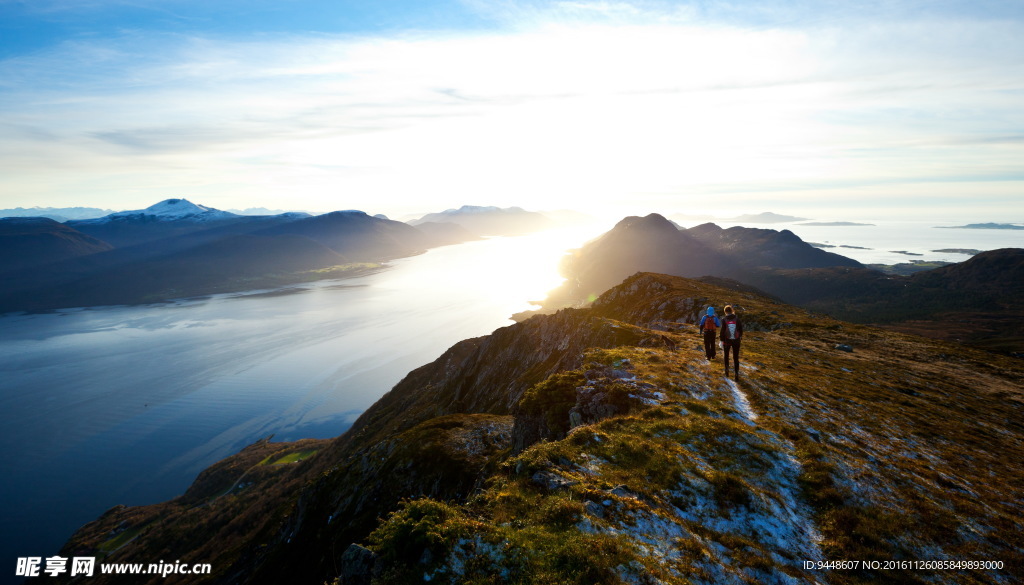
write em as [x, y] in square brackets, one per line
[707, 326]
[732, 332]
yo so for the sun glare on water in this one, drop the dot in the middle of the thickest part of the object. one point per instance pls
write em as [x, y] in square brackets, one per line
[523, 269]
[510, 272]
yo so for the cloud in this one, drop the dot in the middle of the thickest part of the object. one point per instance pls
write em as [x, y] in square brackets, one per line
[607, 101]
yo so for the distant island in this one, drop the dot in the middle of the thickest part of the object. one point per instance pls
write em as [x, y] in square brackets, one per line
[818, 245]
[983, 226]
[905, 253]
[968, 251]
[836, 223]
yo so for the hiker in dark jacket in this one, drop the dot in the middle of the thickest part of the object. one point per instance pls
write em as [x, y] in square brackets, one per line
[707, 326]
[732, 332]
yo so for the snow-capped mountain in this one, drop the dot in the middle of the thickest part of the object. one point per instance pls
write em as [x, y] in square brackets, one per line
[168, 210]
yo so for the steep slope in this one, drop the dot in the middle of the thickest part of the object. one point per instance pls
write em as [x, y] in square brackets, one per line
[599, 446]
[32, 242]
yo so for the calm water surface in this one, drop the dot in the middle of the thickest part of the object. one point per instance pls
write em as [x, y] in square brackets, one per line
[125, 405]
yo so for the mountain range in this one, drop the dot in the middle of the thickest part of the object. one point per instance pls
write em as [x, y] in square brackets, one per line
[176, 249]
[598, 445]
[60, 214]
[968, 301]
[655, 244]
[490, 220]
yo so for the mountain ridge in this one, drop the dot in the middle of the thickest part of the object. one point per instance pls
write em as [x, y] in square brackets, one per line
[965, 301]
[490, 220]
[583, 447]
[184, 249]
[653, 243]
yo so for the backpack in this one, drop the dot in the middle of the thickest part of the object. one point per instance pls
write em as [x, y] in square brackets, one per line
[709, 324]
[730, 325]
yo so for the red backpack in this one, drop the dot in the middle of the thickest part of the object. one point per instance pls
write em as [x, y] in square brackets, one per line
[709, 323]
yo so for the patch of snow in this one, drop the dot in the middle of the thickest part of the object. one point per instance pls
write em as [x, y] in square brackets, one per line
[742, 404]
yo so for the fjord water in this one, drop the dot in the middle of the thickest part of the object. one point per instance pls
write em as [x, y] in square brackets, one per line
[125, 405]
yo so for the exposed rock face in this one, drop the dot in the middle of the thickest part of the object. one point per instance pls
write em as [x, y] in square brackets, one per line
[357, 566]
[579, 447]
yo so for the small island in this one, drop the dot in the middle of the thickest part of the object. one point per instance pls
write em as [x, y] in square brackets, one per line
[968, 251]
[983, 226]
[905, 253]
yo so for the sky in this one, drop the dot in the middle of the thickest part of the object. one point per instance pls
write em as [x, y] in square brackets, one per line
[826, 109]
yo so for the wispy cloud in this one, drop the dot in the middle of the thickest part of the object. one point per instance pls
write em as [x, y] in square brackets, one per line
[610, 100]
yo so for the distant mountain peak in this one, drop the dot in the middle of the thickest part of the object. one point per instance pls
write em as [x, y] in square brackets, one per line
[169, 210]
[176, 207]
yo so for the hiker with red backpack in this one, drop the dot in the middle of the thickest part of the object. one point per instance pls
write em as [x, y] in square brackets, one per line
[732, 332]
[707, 326]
